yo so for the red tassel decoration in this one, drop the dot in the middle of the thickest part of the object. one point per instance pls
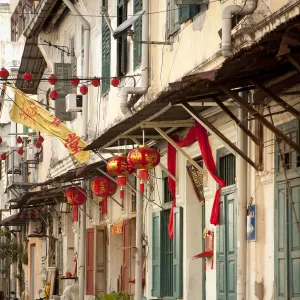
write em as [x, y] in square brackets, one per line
[104, 205]
[142, 187]
[144, 174]
[75, 213]
[122, 193]
[122, 180]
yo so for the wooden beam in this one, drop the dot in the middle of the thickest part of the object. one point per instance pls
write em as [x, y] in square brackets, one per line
[237, 121]
[152, 137]
[160, 164]
[294, 62]
[276, 98]
[167, 124]
[258, 116]
[210, 128]
[189, 158]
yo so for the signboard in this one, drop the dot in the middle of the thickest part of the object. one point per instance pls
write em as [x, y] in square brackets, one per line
[197, 181]
[117, 228]
[251, 221]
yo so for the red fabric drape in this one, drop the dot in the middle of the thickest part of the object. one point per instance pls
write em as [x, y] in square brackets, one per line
[74, 213]
[199, 133]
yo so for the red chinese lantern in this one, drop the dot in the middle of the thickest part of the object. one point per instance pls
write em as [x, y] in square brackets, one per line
[0, 140]
[75, 81]
[118, 166]
[3, 156]
[104, 187]
[19, 140]
[83, 89]
[27, 76]
[52, 79]
[4, 73]
[38, 145]
[21, 151]
[95, 82]
[76, 196]
[53, 95]
[40, 139]
[144, 159]
[115, 82]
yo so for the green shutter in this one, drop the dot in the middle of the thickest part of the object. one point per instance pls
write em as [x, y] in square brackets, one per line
[137, 47]
[25, 129]
[106, 47]
[156, 254]
[187, 12]
[177, 252]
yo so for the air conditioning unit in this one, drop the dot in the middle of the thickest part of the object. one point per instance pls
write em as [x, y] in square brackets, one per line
[17, 191]
[73, 103]
[30, 154]
[190, 2]
[34, 227]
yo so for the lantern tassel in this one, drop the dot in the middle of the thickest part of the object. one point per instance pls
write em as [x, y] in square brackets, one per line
[122, 193]
[142, 187]
[75, 214]
[104, 206]
[143, 174]
[122, 180]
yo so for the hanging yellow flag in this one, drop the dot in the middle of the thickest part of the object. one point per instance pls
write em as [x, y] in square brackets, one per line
[28, 112]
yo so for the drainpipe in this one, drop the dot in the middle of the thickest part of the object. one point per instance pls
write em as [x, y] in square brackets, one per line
[144, 65]
[241, 224]
[85, 74]
[228, 12]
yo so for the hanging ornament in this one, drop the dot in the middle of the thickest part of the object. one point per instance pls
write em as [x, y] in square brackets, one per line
[40, 139]
[115, 82]
[76, 196]
[95, 82]
[52, 79]
[3, 156]
[75, 81]
[144, 159]
[38, 145]
[118, 166]
[27, 77]
[19, 140]
[53, 95]
[21, 151]
[0, 140]
[4, 73]
[104, 187]
[83, 89]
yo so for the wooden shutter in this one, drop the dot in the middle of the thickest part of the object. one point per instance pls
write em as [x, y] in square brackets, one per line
[220, 265]
[62, 71]
[156, 254]
[100, 283]
[89, 263]
[126, 253]
[177, 252]
[106, 40]
[137, 47]
[187, 12]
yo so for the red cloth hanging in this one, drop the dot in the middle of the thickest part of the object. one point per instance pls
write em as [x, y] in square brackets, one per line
[197, 132]
[75, 213]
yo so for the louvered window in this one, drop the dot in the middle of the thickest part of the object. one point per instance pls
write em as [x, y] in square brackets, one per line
[106, 47]
[137, 47]
[227, 169]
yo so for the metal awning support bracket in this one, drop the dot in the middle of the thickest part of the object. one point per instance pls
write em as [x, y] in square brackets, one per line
[214, 131]
[259, 117]
[189, 158]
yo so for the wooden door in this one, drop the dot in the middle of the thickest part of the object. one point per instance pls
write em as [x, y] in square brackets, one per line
[89, 283]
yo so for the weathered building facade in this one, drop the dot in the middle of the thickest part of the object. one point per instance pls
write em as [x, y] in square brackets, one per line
[172, 73]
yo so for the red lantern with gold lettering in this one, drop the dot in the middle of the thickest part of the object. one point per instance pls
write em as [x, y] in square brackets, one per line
[144, 159]
[76, 196]
[118, 166]
[104, 187]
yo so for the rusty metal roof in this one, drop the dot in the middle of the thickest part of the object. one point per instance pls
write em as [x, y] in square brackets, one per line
[262, 61]
[20, 218]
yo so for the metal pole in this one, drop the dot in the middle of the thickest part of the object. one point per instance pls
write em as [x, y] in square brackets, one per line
[139, 245]
[241, 224]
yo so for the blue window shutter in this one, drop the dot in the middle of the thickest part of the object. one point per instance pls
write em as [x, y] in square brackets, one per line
[156, 254]
[177, 252]
[187, 12]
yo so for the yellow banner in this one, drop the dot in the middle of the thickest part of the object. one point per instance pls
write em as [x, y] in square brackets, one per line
[28, 112]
